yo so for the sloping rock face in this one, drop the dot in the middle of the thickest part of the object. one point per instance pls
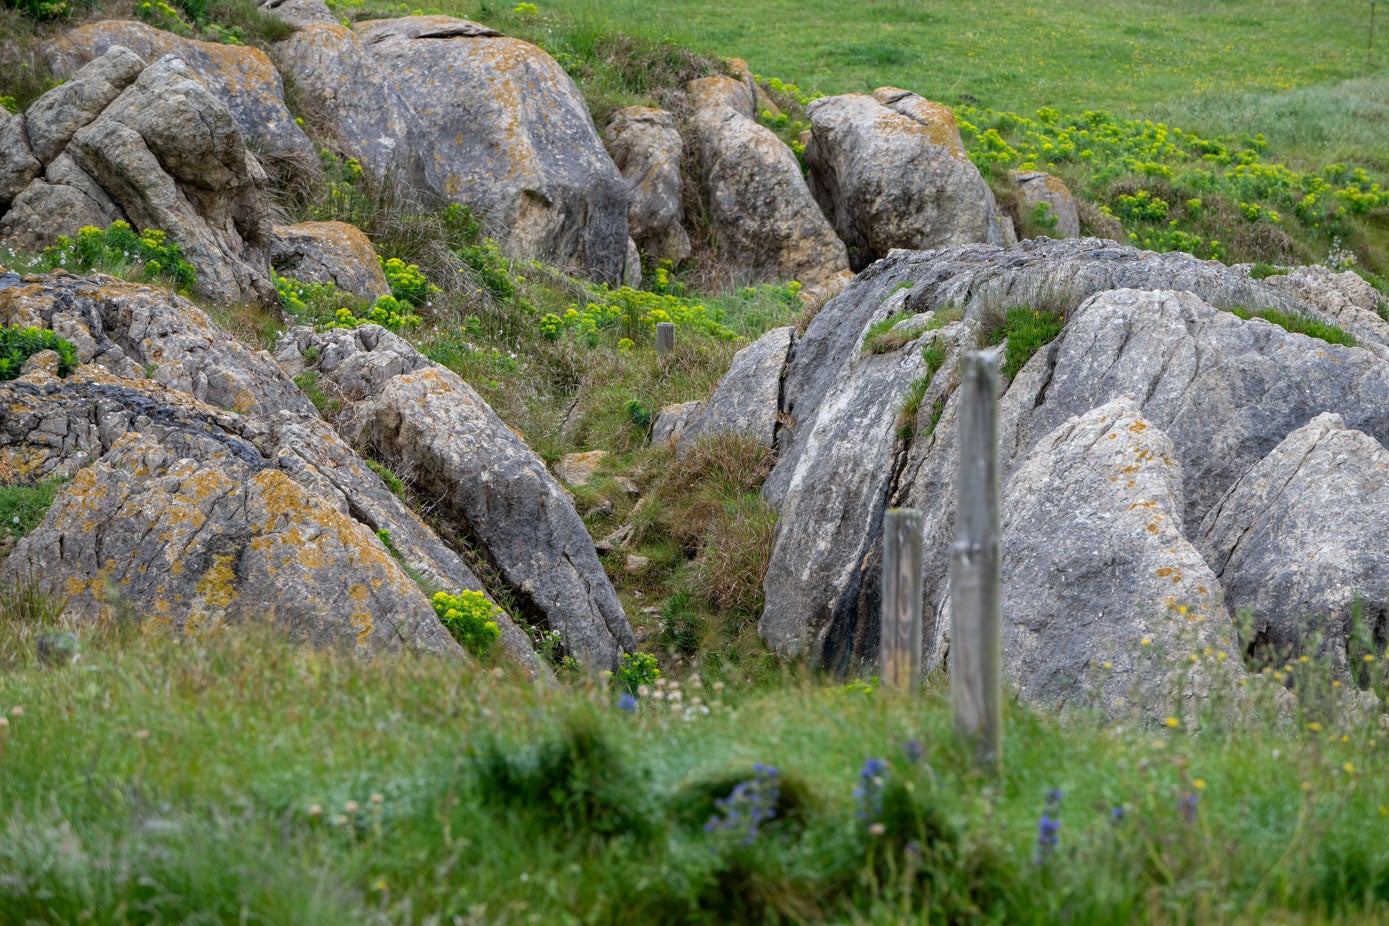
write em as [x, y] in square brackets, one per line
[179, 516]
[153, 146]
[768, 224]
[434, 430]
[163, 389]
[473, 117]
[329, 252]
[1094, 563]
[891, 172]
[1036, 188]
[646, 147]
[747, 399]
[1298, 540]
[143, 332]
[1343, 298]
[242, 78]
[1224, 392]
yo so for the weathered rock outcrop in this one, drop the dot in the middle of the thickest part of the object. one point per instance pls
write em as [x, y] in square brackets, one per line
[1037, 188]
[18, 166]
[241, 77]
[144, 332]
[766, 220]
[1300, 538]
[433, 429]
[1223, 390]
[1345, 299]
[891, 171]
[1100, 587]
[329, 252]
[747, 398]
[647, 149]
[153, 146]
[146, 354]
[471, 116]
[673, 420]
[178, 515]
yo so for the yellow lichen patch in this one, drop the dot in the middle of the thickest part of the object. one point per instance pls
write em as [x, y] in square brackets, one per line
[1164, 571]
[1138, 427]
[217, 586]
[1148, 505]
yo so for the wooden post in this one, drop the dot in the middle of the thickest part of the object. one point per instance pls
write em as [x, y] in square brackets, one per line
[976, 648]
[665, 338]
[899, 631]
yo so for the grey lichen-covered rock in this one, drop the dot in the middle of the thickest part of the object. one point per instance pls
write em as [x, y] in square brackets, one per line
[1224, 390]
[144, 331]
[503, 129]
[434, 430]
[57, 115]
[891, 171]
[173, 158]
[241, 77]
[646, 147]
[300, 13]
[748, 397]
[329, 252]
[1036, 188]
[578, 469]
[1041, 273]
[18, 166]
[767, 223]
[672, 421]
[174, 512]
[353, 99]
[1298, 540]
[711, 92]
[1101, 590]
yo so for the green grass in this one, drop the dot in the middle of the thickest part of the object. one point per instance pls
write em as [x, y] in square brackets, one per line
[23, 507]
[1027, 331]
[1299, 324]
[241, 780]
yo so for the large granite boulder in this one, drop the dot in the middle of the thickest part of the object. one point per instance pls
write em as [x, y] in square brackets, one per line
[1101, 590]
[891, 172]
[1224, 390]
[1036, 188]
[140, 331]
[242, 78]
[746, 400]
[174, 512]
[151, 145]
[18, 166]
[768, 225]
[329, 252]
[1297, 541]
[647, 149]
[148, 358]
[430, 427]
[470, 116]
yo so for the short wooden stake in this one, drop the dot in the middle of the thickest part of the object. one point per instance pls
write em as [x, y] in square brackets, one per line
[665, 338]
[976, 639]
[899, 632]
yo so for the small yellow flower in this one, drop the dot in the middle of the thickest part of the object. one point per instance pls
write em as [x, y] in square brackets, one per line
[380, 885]
[1146, 641]
[1345, 739]
[1314, 727]
[1181, 609]
[1199, 784]
[1336, 683]
[1172, 721]
[1383, 811]
[1301, 658]
[1109, 665]
[1306, 786]
[1349, 768]
[1369, 657]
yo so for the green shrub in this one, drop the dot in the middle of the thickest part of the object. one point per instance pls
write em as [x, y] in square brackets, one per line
[19, 344]
[407, 282]
[881, 339]
[149, 256]
[392, 481]
[326, 306]
[634, 671]
[1262, 271]
[471, 618]
[1027, 330]
[1299, 324]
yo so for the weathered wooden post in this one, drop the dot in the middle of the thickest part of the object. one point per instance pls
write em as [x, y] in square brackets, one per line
[976, 650]
[899, 631]
[665, 338]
